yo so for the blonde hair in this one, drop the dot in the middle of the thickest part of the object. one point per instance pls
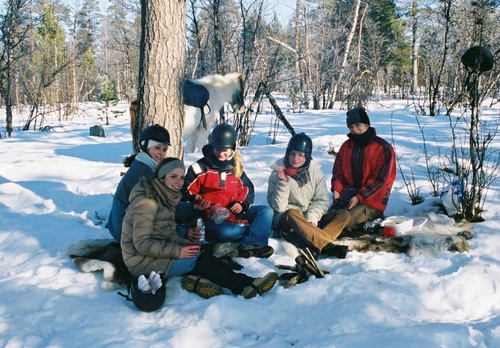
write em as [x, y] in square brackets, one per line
[238, 164]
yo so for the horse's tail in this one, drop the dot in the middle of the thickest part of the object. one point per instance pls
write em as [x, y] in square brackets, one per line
[133, 122]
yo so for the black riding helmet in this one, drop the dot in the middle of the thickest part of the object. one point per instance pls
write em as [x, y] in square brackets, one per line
[478, 59]
[146, 301]
[300, 142]
[156, 133]
[223, 137]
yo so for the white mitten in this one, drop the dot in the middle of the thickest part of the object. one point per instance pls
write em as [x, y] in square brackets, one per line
[143, 283]
[154, 281]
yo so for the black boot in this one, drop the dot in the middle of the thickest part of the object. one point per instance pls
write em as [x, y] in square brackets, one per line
[219, 272]
[339, 251]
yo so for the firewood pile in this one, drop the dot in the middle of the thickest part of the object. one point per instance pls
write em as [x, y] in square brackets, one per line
[305, 266]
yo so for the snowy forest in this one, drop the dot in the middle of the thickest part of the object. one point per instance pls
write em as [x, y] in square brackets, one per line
[55, 55]
[426, 71]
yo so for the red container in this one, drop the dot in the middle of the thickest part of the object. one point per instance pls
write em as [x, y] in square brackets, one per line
[197, 245]
[290, 171]
[388, 232]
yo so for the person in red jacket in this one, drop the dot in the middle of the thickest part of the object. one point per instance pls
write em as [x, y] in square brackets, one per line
[219, 181]
[362, 177]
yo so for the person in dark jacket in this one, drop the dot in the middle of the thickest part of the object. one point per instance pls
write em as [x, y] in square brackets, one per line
[154, 142]
[151, 241]
[219, 179]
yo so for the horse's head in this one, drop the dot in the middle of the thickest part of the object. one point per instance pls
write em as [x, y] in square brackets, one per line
[237, 102]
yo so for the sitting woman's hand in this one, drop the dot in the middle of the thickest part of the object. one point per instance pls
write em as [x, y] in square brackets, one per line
[201, 203]
[189, 251]
[193, 234]
[236, 208]
[281, 175]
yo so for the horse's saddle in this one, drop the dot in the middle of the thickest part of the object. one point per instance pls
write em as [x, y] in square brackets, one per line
[197, 95]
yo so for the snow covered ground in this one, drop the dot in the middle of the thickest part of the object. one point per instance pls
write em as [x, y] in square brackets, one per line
[56, 189]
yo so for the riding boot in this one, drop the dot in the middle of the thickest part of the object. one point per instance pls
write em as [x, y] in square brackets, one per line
[219, 272]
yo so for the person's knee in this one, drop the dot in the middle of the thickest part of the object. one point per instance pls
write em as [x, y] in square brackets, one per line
[266, 213]
[361, 215]
[294, 212]
[284, 218]
[372, 213]
[334, 214]
[227, 232]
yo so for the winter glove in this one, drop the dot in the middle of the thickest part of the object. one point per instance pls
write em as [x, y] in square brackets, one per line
[152, 284]
[154, 281]
[143, 284]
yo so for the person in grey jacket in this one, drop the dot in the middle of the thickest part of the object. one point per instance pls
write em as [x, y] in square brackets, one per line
[298, 195]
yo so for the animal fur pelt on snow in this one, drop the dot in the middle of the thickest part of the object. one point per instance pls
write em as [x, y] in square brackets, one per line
[101, 255]
[413, 244]
[105, 255]
[439, 233]
[445, 225]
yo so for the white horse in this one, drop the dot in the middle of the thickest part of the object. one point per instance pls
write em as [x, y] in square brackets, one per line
[198, 121]
[221, 89]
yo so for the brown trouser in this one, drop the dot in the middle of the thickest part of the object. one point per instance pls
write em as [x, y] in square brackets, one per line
[292, 222]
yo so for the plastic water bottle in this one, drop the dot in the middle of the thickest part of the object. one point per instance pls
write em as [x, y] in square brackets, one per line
[201, 226]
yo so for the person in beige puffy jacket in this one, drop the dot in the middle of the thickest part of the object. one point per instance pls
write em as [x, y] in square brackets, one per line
[151, 240]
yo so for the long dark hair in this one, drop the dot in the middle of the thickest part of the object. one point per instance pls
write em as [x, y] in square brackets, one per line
[127, 162]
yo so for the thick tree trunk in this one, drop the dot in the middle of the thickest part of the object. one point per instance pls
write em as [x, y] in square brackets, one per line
[161, 69]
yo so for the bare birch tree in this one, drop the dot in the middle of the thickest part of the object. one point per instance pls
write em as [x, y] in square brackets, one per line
[347, 51]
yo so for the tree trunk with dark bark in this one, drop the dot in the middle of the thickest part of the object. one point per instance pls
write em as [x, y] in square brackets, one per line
[161, 69]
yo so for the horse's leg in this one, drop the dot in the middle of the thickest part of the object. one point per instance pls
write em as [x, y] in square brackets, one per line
[190, 143]
[202, 137]
[202, 134]
[191, 121]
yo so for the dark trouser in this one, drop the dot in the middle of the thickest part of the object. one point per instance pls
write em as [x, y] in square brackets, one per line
[219, 272]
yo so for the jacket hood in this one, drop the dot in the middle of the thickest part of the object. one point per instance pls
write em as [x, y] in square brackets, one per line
[142, 188]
